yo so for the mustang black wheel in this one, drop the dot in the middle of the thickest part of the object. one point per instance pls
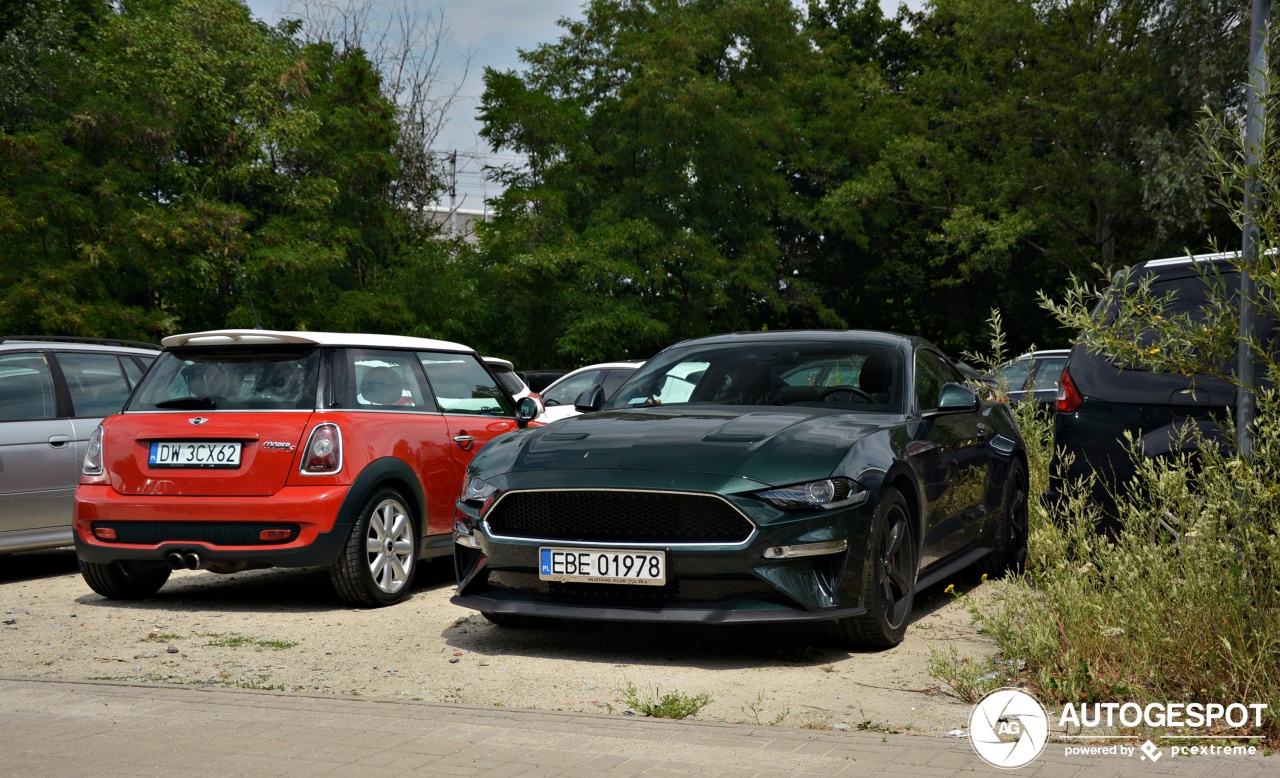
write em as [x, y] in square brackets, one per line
[381, 555]
[891, 579]
[1010, 553]
[124, 580]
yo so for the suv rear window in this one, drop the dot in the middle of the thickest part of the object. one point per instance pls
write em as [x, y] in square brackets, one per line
[231, 379]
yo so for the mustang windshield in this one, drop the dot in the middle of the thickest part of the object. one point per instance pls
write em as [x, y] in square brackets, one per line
[856, 376]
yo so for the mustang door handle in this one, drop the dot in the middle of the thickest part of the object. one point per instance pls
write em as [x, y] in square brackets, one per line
[984, 430]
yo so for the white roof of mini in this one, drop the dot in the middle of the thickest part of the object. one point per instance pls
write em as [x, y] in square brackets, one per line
[268, 337]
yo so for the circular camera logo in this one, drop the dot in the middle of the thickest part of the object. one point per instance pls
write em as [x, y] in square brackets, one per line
[1008, 728]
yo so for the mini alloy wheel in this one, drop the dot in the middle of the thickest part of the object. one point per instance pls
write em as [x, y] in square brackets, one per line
[381, 555]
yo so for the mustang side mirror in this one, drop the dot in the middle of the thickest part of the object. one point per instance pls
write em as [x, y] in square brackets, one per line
[590, 400]
[956, 397]
[526, 411]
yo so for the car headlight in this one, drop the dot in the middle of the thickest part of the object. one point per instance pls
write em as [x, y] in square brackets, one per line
[825, 494]
[477, 490]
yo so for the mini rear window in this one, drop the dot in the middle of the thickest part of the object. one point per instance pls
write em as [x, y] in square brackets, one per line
[236, 379]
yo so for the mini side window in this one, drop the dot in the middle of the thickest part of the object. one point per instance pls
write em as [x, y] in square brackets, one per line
[461, 385]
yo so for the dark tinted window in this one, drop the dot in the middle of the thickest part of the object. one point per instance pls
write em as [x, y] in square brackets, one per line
[26, 388]
[613, 379]
[231, 379]
[932, 372]
[97, 382]
[870, 375]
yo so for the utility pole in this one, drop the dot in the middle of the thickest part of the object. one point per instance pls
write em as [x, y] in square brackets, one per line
[453, 186]
[1256, 116]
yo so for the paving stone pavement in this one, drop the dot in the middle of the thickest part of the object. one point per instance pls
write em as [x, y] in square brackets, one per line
[102, 728]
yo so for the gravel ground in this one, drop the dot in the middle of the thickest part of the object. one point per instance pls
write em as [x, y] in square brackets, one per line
[285, 629]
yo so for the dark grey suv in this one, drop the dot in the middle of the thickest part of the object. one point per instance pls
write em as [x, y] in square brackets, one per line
[1099, 402]
[53, 394]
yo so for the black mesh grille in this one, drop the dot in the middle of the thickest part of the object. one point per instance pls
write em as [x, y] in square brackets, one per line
[218, 533]
[682, 592]
[605, 516]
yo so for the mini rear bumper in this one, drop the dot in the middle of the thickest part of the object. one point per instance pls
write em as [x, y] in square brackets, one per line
[203, 525]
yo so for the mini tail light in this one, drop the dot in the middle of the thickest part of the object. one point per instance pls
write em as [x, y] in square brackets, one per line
[274, 535]
[92, 470]
[323, 454]
[1069, 399]
[104, 533]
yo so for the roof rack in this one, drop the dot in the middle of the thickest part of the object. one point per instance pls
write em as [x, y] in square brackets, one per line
[78, 339]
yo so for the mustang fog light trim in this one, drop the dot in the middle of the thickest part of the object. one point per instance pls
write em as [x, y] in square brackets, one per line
[807, 549]
[825, 494]
[463, 537]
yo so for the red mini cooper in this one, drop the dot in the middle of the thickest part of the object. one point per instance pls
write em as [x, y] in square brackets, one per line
[254, 448]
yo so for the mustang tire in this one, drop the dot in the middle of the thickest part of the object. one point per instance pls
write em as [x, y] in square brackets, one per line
[891, 579]
[377, 566]
[1010, 553]
[124, 580]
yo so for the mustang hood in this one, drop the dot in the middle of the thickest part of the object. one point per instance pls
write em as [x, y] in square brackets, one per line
[770, 446]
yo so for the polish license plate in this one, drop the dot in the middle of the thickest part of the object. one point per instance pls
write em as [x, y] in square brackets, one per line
[194, 453]
[603, 565]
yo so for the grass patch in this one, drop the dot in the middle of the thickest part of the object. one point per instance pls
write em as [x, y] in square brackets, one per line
[672, 705]
[969, 679]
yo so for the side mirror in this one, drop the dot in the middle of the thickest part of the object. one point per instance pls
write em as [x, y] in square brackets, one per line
[956, 397]
[590, 400]
[526, 411]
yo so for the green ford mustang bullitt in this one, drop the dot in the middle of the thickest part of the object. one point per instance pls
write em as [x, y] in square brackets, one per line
[758, 477]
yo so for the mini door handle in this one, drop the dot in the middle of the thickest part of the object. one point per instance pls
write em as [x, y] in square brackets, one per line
[463, 439]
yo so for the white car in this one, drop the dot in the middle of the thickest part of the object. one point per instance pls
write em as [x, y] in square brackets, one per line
[510, 380]
[558, 397]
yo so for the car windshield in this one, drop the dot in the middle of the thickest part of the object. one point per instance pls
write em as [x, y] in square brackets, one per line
[858, 376]
[231, 379]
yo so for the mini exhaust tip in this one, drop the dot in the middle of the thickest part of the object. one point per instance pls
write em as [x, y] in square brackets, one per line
[192, 561]
[175, 560]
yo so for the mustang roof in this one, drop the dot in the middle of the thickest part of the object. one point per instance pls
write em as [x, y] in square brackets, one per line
[800, 336]
[277, 337]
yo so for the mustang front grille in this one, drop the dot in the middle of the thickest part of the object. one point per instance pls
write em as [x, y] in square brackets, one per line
[217, 533]
[618, 517]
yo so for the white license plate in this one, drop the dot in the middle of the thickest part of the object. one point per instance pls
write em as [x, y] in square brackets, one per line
[194, 453]
[603, 566]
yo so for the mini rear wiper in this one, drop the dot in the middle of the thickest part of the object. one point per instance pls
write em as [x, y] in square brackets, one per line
[189, 403]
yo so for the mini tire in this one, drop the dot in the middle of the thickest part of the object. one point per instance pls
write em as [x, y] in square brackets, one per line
[381, 555]
[124, 580]
[891, 579]
[1010, 553]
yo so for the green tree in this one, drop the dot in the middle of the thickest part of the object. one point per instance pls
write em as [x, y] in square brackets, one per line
[202, 170]
[655, 134]
[1045, 137]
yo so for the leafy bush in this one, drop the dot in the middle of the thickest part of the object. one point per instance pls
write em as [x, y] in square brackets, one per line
[1183, 604]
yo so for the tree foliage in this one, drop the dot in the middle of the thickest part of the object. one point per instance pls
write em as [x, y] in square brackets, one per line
[689, 167]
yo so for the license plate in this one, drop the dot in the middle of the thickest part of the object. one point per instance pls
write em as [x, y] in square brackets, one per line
[194, 453]
[603, 566]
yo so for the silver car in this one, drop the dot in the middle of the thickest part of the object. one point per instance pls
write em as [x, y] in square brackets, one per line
[53, 394]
